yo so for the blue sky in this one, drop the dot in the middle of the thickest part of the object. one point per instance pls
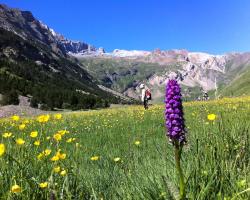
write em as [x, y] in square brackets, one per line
[214, 26]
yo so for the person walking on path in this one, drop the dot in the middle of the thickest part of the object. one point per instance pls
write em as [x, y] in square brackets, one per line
[145, 96]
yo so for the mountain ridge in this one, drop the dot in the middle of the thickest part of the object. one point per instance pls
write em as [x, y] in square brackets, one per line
[201, 71]
[34, 62]
[24, 24]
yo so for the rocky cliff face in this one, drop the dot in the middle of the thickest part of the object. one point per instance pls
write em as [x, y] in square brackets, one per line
[25, 25]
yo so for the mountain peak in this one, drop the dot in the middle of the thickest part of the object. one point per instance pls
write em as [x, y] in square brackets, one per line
[24, 24]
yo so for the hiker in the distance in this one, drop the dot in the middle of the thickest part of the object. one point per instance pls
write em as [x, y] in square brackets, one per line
[145, 95]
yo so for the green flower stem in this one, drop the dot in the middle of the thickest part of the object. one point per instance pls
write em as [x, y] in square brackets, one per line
[178, 150]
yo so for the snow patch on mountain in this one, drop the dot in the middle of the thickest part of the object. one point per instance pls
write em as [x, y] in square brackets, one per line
[53, 32]
[131, 53]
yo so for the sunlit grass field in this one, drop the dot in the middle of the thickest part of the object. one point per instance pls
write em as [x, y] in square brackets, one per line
[123, 153]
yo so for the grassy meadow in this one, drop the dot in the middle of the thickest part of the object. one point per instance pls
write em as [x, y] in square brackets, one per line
[123, 153]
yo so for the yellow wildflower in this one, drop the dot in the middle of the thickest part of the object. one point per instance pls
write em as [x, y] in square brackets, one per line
[211, 117]
[26, 121]
[22, 126]
[94, 158]
[43, 118]
[20, 141]
[137, 142]
[7, 135]
[2, 149]
[58, 116]
[43, 185]
[15, 188]
[62, 132]
[37, 143]
[117, 159]
[40, 156]
[62, 156]
[63, 173]
[57, 169]
[55, 158]
[57, 137]
[69, 140]
[15, 117]
[47, 152]
[33, 134]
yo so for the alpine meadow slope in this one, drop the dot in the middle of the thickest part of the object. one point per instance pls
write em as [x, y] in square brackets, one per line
[123, 154]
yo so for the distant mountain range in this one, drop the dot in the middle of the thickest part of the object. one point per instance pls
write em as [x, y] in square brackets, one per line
[122, 71]
[198, 72]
